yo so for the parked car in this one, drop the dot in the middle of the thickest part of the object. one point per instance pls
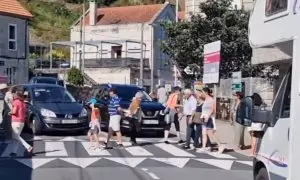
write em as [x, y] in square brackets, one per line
[47, 80]
[53, 108]
[152, 112]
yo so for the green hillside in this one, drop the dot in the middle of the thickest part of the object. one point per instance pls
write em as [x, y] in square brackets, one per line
[53, 18]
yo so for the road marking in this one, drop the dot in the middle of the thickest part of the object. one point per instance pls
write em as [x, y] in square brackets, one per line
[220, 156]
[55, 149]
[70, 139]
[136, 150]
[151, 174]
[81, 162]
[178, 162]
[10, 148]
[94, 152]
[249, 163]
[131, 162]
[175, 151]
[223, 164]
[35, 163]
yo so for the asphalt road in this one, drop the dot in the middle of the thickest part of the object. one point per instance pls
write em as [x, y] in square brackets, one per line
[68, 157]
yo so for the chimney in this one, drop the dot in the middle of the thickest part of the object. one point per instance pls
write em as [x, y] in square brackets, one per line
[93, 12]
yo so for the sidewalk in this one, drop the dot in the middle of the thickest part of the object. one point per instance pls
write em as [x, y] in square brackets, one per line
[225, 132]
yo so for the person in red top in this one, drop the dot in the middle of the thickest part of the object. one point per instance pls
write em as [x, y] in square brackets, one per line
[18, 117]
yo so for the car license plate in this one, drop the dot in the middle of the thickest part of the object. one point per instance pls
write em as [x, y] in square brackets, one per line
[150, 122]
[69, 121]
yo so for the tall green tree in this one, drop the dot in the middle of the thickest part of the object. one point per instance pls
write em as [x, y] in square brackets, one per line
[218, 21]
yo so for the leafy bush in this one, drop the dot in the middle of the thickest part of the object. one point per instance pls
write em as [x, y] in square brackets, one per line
[75, 77]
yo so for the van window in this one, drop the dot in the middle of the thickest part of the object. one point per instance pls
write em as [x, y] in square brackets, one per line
[275, 7]
[285, 110]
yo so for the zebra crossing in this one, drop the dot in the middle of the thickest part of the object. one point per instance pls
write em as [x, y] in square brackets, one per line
[76, 152]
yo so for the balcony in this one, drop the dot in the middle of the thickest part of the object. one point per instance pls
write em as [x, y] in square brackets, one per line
[115, 62]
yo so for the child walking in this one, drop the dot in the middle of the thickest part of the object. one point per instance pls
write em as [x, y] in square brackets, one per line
[94, 125]
[18, 117]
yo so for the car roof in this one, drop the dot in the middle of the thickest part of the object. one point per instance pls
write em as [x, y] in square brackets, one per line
[44, 77]
[119, 85]
[39, 85]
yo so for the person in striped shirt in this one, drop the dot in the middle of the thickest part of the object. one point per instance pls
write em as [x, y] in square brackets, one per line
[114, 111]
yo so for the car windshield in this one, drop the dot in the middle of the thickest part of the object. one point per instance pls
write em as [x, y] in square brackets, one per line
[52, 95]
[127, 93]
[46, 81]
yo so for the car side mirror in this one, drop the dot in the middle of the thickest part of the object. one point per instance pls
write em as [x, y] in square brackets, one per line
[262, 116]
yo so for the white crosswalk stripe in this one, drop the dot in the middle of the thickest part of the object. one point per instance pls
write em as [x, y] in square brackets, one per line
[175, 151]
[137, 150]
[94, 152]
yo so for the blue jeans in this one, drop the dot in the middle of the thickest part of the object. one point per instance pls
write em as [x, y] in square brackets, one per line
[193, 131]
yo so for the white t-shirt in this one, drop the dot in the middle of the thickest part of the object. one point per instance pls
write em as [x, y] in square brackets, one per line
[189, 105]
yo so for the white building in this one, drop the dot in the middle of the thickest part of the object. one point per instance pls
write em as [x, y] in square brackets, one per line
[192, 6]
[111, 32]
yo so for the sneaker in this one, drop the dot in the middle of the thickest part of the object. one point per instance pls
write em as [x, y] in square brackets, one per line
[167, 142]
[134, 143]
[180, 142]
[221, 149]
[202, 150]
[186, 147]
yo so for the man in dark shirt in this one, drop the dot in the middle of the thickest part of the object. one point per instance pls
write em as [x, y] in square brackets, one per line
[114, 111]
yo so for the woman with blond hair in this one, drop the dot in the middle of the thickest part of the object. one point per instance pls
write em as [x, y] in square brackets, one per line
[133, 116]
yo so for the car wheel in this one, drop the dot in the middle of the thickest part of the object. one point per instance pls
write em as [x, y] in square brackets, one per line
[262, 174]
[36, 126]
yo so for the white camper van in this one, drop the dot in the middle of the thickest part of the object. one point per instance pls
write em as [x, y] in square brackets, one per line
[274, 34]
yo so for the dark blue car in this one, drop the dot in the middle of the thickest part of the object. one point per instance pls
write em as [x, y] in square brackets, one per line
[52, 108]
[152, 118]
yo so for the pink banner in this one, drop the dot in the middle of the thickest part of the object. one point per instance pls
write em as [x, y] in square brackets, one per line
[212, 57]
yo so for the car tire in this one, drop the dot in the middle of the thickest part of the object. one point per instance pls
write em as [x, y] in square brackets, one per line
[36, 126]
[262, 174]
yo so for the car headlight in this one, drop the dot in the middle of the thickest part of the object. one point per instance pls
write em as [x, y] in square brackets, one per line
[47, 113]
[162, 112]
[83, 113]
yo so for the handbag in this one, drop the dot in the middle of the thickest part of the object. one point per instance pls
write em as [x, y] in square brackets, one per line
[197, 118]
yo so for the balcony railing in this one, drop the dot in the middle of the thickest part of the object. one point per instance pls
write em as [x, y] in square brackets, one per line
[115, 62]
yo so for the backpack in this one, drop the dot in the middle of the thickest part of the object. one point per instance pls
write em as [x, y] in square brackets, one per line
[245, 111]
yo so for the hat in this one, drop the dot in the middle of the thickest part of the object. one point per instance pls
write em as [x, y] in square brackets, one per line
[139, 95]
[3, 86]
[92, 101]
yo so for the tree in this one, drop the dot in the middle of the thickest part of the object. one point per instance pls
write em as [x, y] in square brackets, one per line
[218, 21]
[75, 77]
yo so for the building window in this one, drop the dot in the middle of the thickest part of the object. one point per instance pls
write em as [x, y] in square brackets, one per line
[275, 7]
[116, 51]
[2, 63]
[12, 37]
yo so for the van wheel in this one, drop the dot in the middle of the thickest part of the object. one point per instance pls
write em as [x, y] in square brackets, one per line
[262, 174]
[36, 126]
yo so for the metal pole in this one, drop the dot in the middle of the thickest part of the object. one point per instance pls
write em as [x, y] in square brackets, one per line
[50, 55]
[152, 60]
[80, 46]
[142, 57]
[175, 69]
[83, 38]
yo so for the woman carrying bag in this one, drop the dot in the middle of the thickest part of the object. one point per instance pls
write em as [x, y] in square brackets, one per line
[133, 115]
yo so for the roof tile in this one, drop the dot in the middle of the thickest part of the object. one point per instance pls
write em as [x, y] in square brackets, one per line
[126, 14]
[14, 8]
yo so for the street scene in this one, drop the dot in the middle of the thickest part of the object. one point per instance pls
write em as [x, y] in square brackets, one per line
[149, 90]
